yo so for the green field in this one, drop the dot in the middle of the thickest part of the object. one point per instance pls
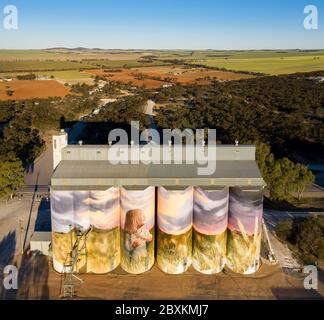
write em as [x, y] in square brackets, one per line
[264, 61]
[273, 66]
[32, 66]
[124, 63]
[65, 75]
[11, 55]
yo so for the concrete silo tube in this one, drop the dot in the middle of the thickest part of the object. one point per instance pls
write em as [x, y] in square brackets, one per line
[210, 230]
[174, 232]
[244, 229]
[137, 229]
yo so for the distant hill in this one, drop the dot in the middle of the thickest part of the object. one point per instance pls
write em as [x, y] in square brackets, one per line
[70, 49]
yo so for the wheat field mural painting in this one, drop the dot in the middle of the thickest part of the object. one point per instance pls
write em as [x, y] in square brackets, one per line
[210, 230]
[93, 217]
[244, 230]
[174, 234]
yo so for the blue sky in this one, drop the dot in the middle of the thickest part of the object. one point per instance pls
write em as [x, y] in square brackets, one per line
[162, 24]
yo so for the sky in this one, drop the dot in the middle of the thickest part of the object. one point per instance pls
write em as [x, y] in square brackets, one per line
[162, 24]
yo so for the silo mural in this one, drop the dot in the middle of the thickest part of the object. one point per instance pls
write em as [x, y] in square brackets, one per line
[210, 230]
[88, 221]
[244, 230]
[174, 238]
[137, 233]
[103, 242]
[63, 234]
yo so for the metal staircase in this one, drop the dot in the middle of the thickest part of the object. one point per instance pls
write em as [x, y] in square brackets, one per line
[78, 249]
[267, 244]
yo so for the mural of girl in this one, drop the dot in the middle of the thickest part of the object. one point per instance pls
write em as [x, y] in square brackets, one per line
[244, 230]
[210, 230]
[137, 236]
[174, 237]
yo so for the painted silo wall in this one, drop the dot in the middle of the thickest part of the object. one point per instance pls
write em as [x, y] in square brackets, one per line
[103, 242]
[63, 234]
[244, 230]
[174, 232]
[78, 211]
[137, 229]
[210, 230]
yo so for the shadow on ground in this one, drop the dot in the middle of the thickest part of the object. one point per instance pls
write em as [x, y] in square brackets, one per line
[296, 294]
[7, 255]
[43, 219]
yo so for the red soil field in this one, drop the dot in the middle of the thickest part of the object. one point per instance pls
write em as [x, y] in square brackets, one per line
[148, 76]
[28, 89]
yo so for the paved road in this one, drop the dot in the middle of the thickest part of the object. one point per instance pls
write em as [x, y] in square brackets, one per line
[281, 251]
[272, 217]
[31, 213]
[42, 170]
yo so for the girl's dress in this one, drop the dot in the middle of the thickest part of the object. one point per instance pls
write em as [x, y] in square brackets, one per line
[140, 251]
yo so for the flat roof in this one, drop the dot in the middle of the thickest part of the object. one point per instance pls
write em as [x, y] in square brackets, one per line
[102, 174]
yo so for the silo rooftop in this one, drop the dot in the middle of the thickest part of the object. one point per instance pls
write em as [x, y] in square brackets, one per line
[87, 167]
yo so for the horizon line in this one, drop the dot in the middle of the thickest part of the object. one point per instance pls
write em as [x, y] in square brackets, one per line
[164, 49]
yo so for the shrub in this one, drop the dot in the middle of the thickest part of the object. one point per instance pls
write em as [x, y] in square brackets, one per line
[284, 230]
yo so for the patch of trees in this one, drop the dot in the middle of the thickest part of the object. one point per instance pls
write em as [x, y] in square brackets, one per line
[112, 70]
[25, 123]
[83, 88]
[165, 95]
[111, 89]
[306, 235]
[11, 176]
[196, 65]
[272, 111]
[21, 140]
[8, 109]
[123, 111]
[30, 76]
[283, 177]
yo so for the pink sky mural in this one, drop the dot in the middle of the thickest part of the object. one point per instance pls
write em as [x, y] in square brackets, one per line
[175, 210]
[245, 208]
[210, 211]
[82, 209]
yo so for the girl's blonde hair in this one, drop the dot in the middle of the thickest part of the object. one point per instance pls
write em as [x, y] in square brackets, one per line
[133, 221]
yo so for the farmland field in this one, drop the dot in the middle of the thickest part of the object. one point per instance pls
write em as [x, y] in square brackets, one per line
[263, 61]
[123, 63]
[266, 61]
[21, 66]
[63, 55]
[28, 89]
[273, 66]
[70, 76]
[154, 77]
